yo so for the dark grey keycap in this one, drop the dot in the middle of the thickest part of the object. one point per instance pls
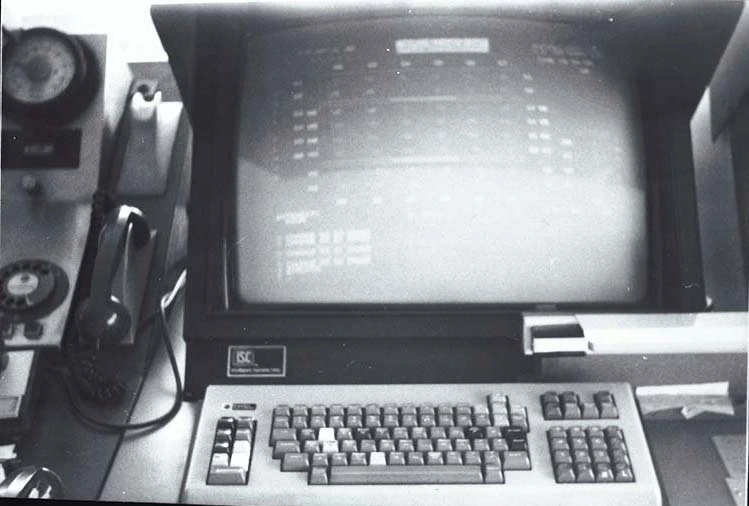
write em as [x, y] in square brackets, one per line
[603, 472]
[471, 458]
[584, 473]
[415, 458]
[516, 461]
[493, 474]
[295, 462]
[283, 447]
[320, 460]
[396, 459]
[453, 458]
[282, 435]
[561, 457]
[564, 473]
[317, 410]
[405, 474]
[318, 476]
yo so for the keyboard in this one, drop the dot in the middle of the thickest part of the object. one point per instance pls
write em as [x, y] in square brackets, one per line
[525, 444]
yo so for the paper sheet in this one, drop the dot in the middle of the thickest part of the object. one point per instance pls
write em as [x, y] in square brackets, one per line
[692, 399]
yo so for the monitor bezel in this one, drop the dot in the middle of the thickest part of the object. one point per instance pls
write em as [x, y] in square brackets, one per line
[209, 312]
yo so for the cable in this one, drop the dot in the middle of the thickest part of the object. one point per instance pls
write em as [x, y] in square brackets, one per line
[165, 302]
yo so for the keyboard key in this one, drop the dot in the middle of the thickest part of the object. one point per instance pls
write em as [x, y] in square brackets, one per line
[608, 411]
[463, 420]
[358, 459]
[372, 410]
[221, 475]
[405, 445]
[311, 446]
[326, 434]
[317, 410]
[499, 444]
[225, 422]
[584, 473]
[434, 459]
[299, 422]
[222, 447]
[571, 411]
[597, 443]
[400, 433]
[377, 459]
[475, 433]
[415, 458]
[329, 447]
[516, 461]
[561, 457]
[336, 410]
[424, 445]
[390, 409]
[557, 433]
[396, 459]
[418, 433]
[461, 445]
[589, 410]
[603, 472]
[281, 422]
[319, 460]
[409, 421]
[442, 445]
[564, 473]
[453, 458]
[295, 462]
[338, 459]
[568, 397]
[300, 410]
[623, 473]
[308, 434]
[318, 476]
[362, 433]
[354, 410]
[344, 433]
[437, 433]
[480, 445]
[456, 433]
[549, 397]
[552, 412]
[282, 435]
[578, 443]
[220, 460]
[367, 445]
[390, 420]
[471, 458]
[408, 409]
[406, 475]
[386, 445]
[381, 433]
[283, 447]
[493, 474]
[558, 444]
[349, 446]
[317, 422]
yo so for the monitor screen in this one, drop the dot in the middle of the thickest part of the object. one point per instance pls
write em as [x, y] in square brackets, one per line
[437, 161]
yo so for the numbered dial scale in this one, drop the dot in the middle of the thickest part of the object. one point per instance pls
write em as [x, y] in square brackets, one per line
[48, 76]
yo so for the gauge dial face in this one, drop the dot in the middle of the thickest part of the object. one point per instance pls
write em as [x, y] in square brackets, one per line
[39, 69]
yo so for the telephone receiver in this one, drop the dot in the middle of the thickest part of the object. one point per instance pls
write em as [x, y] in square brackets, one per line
[103, 318]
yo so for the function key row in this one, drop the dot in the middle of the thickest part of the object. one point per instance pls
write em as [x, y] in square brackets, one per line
[570, 406]
[498, 412]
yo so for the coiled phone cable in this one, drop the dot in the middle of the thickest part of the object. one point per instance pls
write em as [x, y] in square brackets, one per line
[165, 302]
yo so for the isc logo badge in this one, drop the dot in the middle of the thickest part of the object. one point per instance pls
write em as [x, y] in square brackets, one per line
[256, 362]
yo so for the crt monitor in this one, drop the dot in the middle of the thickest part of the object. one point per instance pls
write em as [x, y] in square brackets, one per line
[378, 193]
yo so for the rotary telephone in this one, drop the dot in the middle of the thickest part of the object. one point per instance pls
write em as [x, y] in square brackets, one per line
[85, 149]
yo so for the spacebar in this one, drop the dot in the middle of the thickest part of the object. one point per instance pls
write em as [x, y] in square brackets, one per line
[373, 475]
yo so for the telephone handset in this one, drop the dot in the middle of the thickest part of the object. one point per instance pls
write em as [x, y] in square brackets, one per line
[102, 317]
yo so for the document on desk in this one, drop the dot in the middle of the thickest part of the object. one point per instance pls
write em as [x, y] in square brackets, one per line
[732, 451]
[692, 399]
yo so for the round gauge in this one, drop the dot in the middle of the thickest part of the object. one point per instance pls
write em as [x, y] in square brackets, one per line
[48, 76]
